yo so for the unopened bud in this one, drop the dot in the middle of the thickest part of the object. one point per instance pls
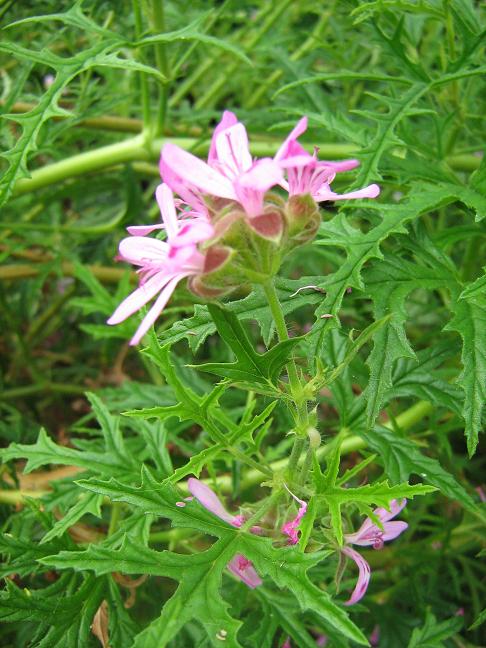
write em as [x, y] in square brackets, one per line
[314, 437]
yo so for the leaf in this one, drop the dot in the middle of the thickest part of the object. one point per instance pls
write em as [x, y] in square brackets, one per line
[402, 458]
[23, 554]
[286, 566]
[255, 307]
[470, 322]
[378, 494]
[475, 288]
[433, 633]
[87, 503]
[63, 619]
[389, 282]
[418, 378]
[254, 370]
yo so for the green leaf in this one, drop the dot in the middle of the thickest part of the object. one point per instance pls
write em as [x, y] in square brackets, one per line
[378, 494]
[361, 247]
[255, 370]
[63, 618]
[23, 554]
[434, 633]
[389, 282]
[87, 503]
[470, 322]
[254, 307]
[402, 458]
[286, 566]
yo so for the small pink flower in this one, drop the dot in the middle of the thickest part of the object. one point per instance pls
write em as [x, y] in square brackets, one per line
[369, 534]
[230, 172]
[305, 174]
[240, 566]
[162, 263]
[291, 528]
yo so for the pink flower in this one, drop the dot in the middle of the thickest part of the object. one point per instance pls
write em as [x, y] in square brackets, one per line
[291, 528]
[230, 172]
[369, 534]
[240, 566]
[305, 174]
[162, 263]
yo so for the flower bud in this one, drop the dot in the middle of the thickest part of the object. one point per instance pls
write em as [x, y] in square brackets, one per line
[314, 437]
[303, 219]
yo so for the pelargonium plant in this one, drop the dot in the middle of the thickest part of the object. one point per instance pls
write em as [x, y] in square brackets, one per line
[247, 446]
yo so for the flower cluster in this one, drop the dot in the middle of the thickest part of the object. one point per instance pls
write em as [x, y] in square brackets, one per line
[233, 221]
[369, 534]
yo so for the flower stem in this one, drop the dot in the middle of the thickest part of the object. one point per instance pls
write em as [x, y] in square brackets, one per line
[158, 17]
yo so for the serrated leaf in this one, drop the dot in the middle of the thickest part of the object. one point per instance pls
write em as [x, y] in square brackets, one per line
[403, 458]
[87, 503]
[470, 322]
[251, 368]
[433, 633]
[286, 566]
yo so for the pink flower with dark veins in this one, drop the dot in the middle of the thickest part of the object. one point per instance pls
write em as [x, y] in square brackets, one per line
[162, 263]
[291, 528]
[306, 174]
[370, 535]
[240, 566]
[230, 172]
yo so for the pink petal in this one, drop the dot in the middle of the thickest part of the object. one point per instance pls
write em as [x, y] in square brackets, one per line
[143, 230]
[395, 507]
[140, 250]
[187, 191]
[325, 193]
[232, 150]
[138, 298]
[196, 172]
[393, 530]
[208, 498]
[265, 173]
[192, 232]
[228, 119]
[363, 578]
[341, 165]
[165, 200]
[244, 570]
[156, 309]
[296, 132]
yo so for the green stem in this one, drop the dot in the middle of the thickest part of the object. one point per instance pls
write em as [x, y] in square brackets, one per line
[161, 59]
[144, 88]
[140, 149]
[281, 327]
[114, 518]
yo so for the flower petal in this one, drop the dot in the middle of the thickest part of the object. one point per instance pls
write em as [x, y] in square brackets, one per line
[156, 309]
[208, 498]
[296, 132]
[140, 250]
[192, 232]
[228, 119]
[363, 578]
[196, 172]
[395, 507]
[244, 570]
[393, 530]
[143, 230]
[325, 193]
[232, 149]
[165, 200]
[139, 298]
